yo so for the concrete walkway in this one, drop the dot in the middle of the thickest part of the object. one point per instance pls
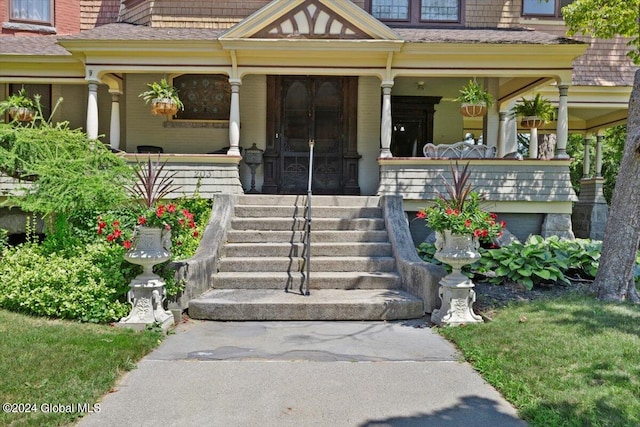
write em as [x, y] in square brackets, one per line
[303, 374]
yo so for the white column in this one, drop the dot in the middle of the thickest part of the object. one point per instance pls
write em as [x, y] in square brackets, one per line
[562, 130]
[114, 128]
[92, 111]
[234, 118]
[533, 143]
[492, 119]
[386, 122]
[587, 160]
[599, 139]
[502, 133]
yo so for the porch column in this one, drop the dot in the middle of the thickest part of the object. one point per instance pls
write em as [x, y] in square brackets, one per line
[599, 139]
[587, 160]
[234, 118]
[502, 129]
[386, 122]
[562, 130]
[491, 120]
[114, 128]
[92, 111]
[533, 143]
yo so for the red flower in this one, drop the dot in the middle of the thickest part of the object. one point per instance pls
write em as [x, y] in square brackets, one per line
[503, 224]
[117, 232]
[449, 211]
[196, 234]
[102, 224]
[484, 233]
[192, 224]
[421, 214]
[171, 208]
[467, 223]
[116, 223]
[160, 211]
[167, 227]
[493, 216]
[477, 233]
[100, 230]
[142, 220]
[111, 238]
[127, 244]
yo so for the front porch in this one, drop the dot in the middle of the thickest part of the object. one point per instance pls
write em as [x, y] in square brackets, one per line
[527, 194]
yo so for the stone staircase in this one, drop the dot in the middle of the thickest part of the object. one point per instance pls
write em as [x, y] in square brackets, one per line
[353, 272]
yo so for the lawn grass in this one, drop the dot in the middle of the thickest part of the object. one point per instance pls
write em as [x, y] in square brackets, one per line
[51, 362]
[571, 361]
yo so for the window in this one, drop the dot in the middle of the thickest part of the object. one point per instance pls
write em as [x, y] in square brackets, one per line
[416, 12]
[550, 8]
[38, 11]
[205, 96]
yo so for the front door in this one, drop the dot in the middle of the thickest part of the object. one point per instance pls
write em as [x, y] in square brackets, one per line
[309, 109]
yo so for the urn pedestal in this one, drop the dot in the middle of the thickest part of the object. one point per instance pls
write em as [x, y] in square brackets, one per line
[456, 289]
[147, 291]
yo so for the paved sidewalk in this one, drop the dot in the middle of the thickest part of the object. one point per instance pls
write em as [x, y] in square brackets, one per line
[303, 374]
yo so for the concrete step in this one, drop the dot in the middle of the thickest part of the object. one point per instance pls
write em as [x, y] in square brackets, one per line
[288, 264]
[280, 224]
[300, 200]
[317, 236]
[252, 211]
[319, 280]
[375, 249]
[322, 304]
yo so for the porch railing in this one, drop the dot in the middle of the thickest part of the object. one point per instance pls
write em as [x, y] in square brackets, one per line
[307, 252]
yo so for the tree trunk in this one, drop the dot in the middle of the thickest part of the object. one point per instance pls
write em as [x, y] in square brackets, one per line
[546, 146]
[622, 232]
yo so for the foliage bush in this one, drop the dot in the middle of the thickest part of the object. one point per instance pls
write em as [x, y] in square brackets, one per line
[4, 238]
[75, 273]
[89, 285]
[536, 262]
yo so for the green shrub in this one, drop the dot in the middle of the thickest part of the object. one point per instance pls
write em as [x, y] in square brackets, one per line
[87, 284]
[538, 261]
[4, 238]
[531, 263]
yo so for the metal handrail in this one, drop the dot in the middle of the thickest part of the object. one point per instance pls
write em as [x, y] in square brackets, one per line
[307, 251]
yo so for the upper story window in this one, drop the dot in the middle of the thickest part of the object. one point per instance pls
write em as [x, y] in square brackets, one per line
[416, 12]
[36, 11]
[546, 8]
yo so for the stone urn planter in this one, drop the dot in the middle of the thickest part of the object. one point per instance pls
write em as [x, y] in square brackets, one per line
[456, 289]
[147, 291]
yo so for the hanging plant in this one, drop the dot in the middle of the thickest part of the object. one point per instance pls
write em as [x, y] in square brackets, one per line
[163, 98]
[20, 106]
[534, 112]
[475, 100]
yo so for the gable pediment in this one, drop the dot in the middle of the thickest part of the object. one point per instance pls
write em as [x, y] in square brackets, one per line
[311, 19]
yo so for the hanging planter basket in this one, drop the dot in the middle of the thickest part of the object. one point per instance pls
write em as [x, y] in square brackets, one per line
[163, 107]
[473, 110]
[21, 114]
[531, 122]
